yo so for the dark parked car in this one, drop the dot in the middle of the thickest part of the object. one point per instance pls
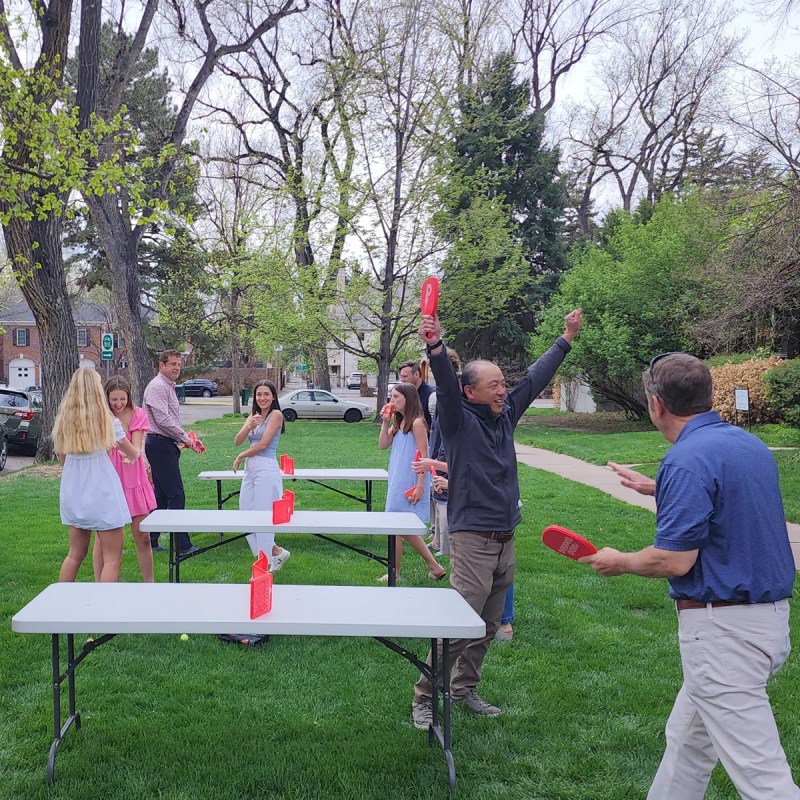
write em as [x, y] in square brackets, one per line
[200, 387]
[21, 416]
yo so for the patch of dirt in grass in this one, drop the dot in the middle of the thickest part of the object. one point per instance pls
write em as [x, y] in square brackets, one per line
[42, 471]
[600, 422]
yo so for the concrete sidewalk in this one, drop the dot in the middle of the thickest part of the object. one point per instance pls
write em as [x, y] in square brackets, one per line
[605, 480]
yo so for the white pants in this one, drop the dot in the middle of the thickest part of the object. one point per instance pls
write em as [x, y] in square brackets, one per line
[722, 711]
[261, 485]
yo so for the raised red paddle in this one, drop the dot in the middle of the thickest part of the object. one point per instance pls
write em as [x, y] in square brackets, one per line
[567, 542]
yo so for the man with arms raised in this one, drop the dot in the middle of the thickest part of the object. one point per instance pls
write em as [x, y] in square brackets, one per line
[722, 543]
[477, 420]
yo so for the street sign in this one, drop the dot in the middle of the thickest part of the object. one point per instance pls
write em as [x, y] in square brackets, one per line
[107, 345]
[278, 348]
[302, 367]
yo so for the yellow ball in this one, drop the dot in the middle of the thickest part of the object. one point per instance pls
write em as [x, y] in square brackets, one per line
[184, 637]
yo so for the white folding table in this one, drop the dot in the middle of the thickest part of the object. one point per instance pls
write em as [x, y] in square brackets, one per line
[164, 608]
[320, 477]
[322, 524]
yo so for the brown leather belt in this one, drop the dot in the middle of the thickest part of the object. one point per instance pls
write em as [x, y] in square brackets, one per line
[495, 536]
[682, 605]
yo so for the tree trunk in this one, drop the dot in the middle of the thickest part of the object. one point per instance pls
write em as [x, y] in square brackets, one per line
[40, 274]
[319, 358]
[235, 348]
[121, 249]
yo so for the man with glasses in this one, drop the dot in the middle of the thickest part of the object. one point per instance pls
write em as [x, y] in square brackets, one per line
[477, 417]
[721, 541]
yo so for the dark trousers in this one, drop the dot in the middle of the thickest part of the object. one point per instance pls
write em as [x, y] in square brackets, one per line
[164, 457]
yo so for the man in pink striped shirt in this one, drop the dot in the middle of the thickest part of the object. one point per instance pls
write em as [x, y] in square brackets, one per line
[163, 444]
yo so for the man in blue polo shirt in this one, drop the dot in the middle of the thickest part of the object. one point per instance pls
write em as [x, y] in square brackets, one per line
[721, 541]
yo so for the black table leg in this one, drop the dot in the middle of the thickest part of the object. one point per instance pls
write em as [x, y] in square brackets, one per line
[219, 495]
[174, 560]
[440, 680]
[391, 559]
[59, 730]
[438, 673]
[369, 495]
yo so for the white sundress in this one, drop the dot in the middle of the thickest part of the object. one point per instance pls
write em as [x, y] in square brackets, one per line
[91, 496]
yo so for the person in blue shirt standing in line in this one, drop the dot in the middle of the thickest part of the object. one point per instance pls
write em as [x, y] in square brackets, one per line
[722, 543]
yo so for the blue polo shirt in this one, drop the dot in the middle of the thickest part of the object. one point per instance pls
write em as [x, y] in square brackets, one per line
[717, 491]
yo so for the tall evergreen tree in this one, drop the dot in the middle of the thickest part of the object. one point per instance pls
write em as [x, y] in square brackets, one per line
[502, 215]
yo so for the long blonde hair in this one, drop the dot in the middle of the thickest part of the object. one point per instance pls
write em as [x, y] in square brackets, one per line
[84, 423]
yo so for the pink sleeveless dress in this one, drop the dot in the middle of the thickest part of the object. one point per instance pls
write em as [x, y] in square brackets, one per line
[137, 488]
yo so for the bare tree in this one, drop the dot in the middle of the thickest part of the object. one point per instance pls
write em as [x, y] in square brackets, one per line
[234, 203]
[399, 139]
[473, 32]
[758, 266]
[215, 32]
[550, 37]
[655, 94]
[299, 86]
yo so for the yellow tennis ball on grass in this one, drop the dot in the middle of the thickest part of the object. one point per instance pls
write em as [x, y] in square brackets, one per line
[184, 637]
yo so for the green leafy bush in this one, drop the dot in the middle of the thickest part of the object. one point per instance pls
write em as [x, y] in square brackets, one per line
[783, 390]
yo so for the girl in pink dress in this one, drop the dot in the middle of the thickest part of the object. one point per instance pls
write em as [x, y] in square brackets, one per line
[133, 475]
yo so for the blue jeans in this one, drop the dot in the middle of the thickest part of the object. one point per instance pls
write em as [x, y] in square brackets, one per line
[508, 608]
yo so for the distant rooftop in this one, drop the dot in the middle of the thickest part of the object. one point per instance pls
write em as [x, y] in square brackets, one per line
[84, 312]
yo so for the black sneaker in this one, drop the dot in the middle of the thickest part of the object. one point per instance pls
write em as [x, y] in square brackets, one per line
[190, 550]
[157, 548]
[246, 639]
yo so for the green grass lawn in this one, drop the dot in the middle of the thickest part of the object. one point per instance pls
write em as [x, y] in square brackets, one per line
[586, 685]
[603, 437]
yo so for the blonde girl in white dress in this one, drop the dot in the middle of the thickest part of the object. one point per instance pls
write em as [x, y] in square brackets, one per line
[91, 496]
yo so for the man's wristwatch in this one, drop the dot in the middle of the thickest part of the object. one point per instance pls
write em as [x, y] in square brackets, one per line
[430, 347]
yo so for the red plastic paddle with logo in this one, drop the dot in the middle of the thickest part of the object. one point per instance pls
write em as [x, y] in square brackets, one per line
[429, 300]
[260, 587]
[567, 542]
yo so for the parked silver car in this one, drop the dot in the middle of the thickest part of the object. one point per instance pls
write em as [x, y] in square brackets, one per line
[21, 416]
[319, 404]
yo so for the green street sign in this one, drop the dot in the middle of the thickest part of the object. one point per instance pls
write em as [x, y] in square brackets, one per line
[302, 368]
[107, 346]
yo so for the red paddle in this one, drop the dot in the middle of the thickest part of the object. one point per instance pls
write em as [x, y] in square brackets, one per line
[429, 300]
[567, 542]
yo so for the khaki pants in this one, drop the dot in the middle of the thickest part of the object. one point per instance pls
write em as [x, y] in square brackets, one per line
[481, 572]
[442, 535]
[722, 711]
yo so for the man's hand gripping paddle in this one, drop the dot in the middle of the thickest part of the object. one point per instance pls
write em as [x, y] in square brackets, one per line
[429, 299]
[567, 542]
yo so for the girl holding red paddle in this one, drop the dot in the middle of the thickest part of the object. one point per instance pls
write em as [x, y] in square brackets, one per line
[403, 430]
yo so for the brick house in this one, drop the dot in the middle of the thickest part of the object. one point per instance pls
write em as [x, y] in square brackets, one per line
[20, 350]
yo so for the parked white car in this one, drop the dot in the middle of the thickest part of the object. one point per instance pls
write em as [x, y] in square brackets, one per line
[319, 404]
[354, 380]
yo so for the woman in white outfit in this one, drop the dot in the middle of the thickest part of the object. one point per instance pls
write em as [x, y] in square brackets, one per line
[262, 482]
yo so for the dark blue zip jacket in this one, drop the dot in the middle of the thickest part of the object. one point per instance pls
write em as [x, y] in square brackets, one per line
[483, 486]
